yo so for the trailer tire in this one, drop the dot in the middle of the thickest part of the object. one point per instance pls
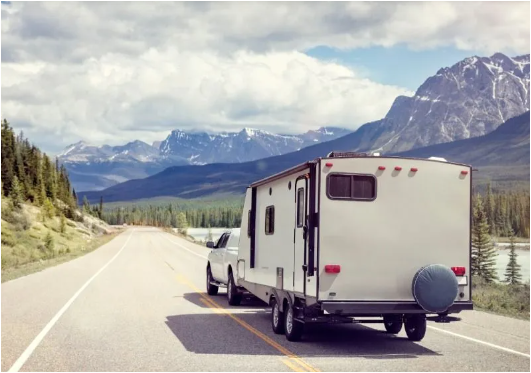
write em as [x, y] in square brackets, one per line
[415, 327]
[293, 328]
[211, 289]
[277, 317]
[392, 326]
[232, 292]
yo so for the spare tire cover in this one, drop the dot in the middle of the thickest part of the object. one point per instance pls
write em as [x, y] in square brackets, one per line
[435, 288]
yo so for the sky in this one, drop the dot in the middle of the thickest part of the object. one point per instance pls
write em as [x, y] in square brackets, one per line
[114, 72]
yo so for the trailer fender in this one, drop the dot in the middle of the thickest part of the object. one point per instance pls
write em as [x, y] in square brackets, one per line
[281, 296]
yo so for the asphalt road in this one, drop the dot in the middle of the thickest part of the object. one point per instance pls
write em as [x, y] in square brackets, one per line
[139, 304]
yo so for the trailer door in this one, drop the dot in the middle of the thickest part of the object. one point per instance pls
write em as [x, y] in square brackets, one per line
[300, 233]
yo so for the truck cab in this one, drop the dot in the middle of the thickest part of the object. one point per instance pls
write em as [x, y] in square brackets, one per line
[222, 264]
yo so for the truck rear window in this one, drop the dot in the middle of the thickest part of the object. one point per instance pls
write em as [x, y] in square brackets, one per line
[351, 187]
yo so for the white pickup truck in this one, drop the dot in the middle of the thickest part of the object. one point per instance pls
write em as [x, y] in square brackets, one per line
[222, 264]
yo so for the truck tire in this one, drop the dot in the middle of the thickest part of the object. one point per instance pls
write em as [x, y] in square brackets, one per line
[232, 292]
[392, 325]
[277, 317]
[292, 328]
[211, 289]
[415, 327]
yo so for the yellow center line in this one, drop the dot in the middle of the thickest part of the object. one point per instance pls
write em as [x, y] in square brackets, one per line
[218, 309]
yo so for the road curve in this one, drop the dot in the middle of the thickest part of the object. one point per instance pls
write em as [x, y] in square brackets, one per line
[138, 304]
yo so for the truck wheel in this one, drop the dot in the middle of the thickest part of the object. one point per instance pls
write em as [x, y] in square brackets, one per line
[232, 293]
[415, 327]
[393, 326]
[277, 317]
[211, 289]
[292, 327]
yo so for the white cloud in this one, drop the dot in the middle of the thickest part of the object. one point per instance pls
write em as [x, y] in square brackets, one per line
[114, 72]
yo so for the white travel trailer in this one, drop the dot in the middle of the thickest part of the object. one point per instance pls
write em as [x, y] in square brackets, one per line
[359, 238]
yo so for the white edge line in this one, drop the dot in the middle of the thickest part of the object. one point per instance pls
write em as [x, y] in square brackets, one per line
[38, 339]
[481, 342]
[184, 248]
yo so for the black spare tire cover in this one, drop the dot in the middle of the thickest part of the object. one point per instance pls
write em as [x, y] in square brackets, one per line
[435, 288]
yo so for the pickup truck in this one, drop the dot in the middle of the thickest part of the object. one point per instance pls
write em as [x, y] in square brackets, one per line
[222, 266]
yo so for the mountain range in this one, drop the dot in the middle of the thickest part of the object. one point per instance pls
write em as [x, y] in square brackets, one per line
[98, 167]
[465, 101]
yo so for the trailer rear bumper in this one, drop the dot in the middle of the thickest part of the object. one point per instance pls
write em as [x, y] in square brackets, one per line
[378, 308]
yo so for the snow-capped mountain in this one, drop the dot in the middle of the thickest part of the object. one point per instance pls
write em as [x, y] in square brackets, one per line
[247, 145]
[96, 167]
[469, 99]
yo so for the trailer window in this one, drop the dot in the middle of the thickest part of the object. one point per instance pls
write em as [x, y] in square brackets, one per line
[249, 224]
[270, 220]
[351, 187]
[300, 207]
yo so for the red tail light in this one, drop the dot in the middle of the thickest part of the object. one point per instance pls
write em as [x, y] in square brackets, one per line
[398, 168]
[459, 271]
[414, 169]
[329, 164]
[464, 172]
[332, 268]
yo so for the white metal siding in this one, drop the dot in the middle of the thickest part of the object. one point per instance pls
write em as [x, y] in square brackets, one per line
[416, 219]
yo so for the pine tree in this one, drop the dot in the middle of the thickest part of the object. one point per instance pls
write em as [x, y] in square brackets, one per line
[483, 252]
[17, 194]
[63, 224]
[182, 223]
[100, 212]
[512, 272]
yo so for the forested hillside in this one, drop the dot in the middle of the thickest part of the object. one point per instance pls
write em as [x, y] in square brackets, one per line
[41, 223]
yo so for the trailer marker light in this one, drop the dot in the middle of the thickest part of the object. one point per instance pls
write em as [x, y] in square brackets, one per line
[329, 164]
[459, 271]
[398, 168]
[464, 172]
[414, 169]
[332, 268]
[381, 168]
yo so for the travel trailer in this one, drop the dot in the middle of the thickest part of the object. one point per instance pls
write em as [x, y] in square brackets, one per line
[359, 238]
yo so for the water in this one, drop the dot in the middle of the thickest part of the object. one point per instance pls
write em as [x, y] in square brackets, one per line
[502, 259]
[200, 234]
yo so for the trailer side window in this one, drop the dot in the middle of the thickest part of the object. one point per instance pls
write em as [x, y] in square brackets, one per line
[351, 187]
[300, 207]
[249, 224]
[270, 220]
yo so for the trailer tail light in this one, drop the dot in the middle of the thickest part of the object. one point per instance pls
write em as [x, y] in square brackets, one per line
[332, 268]
[381, 168]
[459, 271]
[414, 169]
[464, 172]
[398, 168]
[329, 164]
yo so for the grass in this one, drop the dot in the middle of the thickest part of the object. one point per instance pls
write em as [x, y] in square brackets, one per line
[506, 300]
[31, 243]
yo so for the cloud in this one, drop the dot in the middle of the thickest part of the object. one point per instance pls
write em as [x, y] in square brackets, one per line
[123, 71]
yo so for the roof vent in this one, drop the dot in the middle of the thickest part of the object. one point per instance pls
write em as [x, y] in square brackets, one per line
[437, 159]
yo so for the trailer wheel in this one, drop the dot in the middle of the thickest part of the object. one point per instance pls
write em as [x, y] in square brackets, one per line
[277, 317]
[293, 328]
[392, 325]
[232, 293]
[211, 289]
[415, 327]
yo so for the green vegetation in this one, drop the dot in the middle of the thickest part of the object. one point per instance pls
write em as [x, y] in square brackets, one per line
[511, 298]
[507, 300]
[193, 213]
[41, 224]
[512, 272]
[483, 252]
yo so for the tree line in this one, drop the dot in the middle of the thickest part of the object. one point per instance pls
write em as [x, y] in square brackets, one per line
[29, 175]
[483, 264]
[168, 216]
[506, 213]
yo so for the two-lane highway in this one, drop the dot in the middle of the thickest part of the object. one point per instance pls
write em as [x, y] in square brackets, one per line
[139, 304]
